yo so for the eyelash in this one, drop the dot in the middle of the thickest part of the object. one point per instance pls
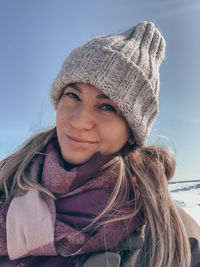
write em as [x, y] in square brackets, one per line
[111, 108]
[70, 95]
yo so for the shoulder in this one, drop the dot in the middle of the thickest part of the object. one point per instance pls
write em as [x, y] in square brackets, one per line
[103, 259]
[125, 254]
[193, 232]
[191, 226]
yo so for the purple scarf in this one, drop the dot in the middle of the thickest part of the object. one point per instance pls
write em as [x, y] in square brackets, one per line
[36, 225]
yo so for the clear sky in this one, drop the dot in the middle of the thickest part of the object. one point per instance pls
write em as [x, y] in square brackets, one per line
[37, 35]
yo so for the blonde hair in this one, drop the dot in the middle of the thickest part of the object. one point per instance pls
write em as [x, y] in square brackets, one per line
[14, 169]
[148, 167]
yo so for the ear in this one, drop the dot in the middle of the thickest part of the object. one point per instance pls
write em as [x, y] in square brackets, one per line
[131, 140]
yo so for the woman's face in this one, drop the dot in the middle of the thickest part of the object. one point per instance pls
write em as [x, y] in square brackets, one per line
[87, 122]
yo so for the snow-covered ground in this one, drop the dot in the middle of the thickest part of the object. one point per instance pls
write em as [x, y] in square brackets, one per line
[187, 195]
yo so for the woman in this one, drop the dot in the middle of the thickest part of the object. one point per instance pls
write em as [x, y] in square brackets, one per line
[89, 192]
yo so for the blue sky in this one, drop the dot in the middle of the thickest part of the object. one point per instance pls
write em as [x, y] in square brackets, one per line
[37, 35]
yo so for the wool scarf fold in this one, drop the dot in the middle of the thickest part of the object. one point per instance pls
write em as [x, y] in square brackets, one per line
[37, 225]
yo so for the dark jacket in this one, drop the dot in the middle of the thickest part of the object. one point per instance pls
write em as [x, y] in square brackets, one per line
[137, 254]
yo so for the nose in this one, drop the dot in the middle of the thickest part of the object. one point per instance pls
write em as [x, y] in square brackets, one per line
[83, 118]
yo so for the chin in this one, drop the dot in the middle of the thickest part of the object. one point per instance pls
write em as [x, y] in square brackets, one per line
[77, 160]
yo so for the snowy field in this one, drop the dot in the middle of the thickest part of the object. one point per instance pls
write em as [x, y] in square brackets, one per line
[187, 195]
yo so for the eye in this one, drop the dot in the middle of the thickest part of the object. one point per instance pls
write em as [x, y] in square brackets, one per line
[108, 107]
[71, 95]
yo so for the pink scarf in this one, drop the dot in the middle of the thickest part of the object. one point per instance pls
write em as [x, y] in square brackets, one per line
[36, 225]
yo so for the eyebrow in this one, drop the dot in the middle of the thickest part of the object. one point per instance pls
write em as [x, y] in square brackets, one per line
[77, 88]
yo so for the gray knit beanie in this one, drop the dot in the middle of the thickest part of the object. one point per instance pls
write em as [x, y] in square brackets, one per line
[123, 66]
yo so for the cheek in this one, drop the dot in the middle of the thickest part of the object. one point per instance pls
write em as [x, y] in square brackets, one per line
[64, 112]
[119, 133]
[61, 118]
[115, 134]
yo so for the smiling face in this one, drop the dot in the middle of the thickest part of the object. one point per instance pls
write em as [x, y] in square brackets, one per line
[87, 121]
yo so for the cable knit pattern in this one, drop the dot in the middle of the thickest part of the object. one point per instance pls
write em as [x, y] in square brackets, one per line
[126, 68]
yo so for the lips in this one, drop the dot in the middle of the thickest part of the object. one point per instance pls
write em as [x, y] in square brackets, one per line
[79, 143]
[80, 140]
